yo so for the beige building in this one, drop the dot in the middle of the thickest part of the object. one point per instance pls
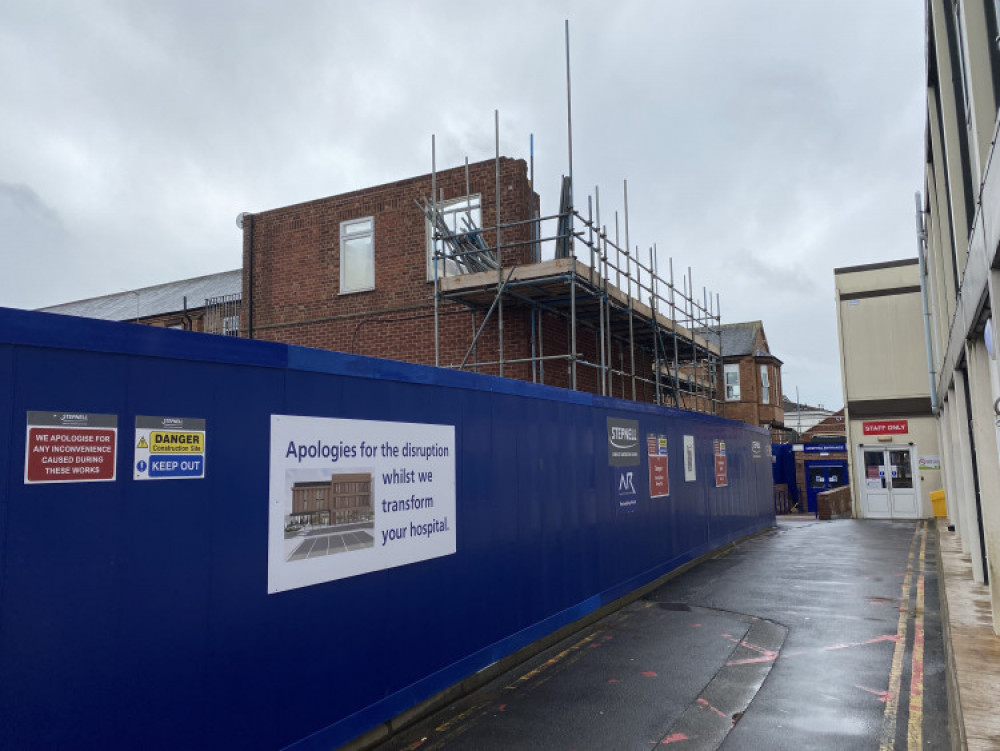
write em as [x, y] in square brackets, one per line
[959, 234]
[892, 439]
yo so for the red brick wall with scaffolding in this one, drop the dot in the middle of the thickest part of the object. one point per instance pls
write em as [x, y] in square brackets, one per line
[291, 282]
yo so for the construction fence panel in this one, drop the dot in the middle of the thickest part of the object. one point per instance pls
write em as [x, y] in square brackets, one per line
[160, 586]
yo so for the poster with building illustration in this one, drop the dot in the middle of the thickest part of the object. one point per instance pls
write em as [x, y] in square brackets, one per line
[352, 496]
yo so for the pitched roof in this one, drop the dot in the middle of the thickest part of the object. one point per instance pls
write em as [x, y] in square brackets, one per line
[791, 406]
[737, 338]
[152, 301]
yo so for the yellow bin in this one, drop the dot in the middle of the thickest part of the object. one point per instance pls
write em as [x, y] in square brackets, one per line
[937, 500]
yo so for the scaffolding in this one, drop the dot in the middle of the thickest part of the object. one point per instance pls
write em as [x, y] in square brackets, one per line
[648, 336]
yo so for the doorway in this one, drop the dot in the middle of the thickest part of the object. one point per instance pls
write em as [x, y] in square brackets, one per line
[821, 476]
[888, 483]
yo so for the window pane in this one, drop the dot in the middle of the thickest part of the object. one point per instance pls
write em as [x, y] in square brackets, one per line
[460, 215]
[357, 255]
[899, 464]
[731, 374]
[354, 228]
[359, 268]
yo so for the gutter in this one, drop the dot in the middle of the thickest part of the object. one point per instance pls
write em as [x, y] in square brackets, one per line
[921, 255]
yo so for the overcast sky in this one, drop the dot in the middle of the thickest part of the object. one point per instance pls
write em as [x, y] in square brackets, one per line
[764, 143]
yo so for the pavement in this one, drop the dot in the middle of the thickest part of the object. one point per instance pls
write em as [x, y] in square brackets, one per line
[973, 649]
[813, 635]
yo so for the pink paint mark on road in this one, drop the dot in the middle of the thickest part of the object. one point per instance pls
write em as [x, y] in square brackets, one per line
[502, 708]
[673, 738]
[752, 660]
[695, 625]
[612, 680]
[703, 704]
[649, 674]
[883, 696]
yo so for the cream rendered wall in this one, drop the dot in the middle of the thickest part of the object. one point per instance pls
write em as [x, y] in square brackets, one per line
[923, 434]
[884, 347]
[977, 65]
[951, 121]
[881, 337]
[984, 429]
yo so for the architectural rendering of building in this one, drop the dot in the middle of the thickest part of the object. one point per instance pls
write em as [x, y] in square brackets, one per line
[344, 498]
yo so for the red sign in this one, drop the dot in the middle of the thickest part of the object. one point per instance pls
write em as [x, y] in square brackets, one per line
[659, 480]
[56, 454]
[721, 468]
[659, 475]
[886, 427]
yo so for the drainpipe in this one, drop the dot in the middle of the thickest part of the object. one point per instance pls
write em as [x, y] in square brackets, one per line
[921, 254]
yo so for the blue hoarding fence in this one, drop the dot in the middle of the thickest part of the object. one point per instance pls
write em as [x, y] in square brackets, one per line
[360, 534]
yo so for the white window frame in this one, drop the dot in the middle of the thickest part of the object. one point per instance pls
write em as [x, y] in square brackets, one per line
[732, 385]
[357, 229]
[765, 386]
[452, 211]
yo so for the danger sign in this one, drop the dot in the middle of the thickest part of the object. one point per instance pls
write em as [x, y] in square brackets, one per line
[176, 442]
[169, 448]
[70, 447]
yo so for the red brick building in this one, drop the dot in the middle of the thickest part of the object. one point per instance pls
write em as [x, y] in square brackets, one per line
[751, 376]
[457, 281]
[386, 272]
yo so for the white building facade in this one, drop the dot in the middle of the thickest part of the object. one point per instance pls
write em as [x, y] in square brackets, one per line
[892, 437]
[959, 246]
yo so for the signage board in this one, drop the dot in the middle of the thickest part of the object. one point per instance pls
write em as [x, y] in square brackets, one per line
[721, 468]
[169, 448]
[659, 478]
[348, 497]
[70, 447]
[931, 461]
[623, 442]
[690, 472]
[824, 448]
[886, 427]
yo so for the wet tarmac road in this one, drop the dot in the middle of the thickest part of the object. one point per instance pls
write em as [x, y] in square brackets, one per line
[816, 635]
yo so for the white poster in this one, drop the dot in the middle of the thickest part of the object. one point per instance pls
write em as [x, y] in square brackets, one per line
[689, 470]
[352, 496]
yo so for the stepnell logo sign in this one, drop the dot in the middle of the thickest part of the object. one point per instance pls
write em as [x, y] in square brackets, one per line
[623, 442]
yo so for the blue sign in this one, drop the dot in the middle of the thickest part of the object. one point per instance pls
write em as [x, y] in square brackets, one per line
[170, 465]
[824, 448]
[625, 492]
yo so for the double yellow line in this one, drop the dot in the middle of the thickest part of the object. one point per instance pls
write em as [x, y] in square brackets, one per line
[915, 705]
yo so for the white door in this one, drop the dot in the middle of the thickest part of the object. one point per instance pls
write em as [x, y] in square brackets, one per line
[888, 483]
[902, 493]
[876, 486]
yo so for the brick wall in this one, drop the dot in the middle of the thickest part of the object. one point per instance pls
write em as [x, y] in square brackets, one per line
[294, 262]
[193, 320]
[750, 409]
[834, 504]
[293, 254]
